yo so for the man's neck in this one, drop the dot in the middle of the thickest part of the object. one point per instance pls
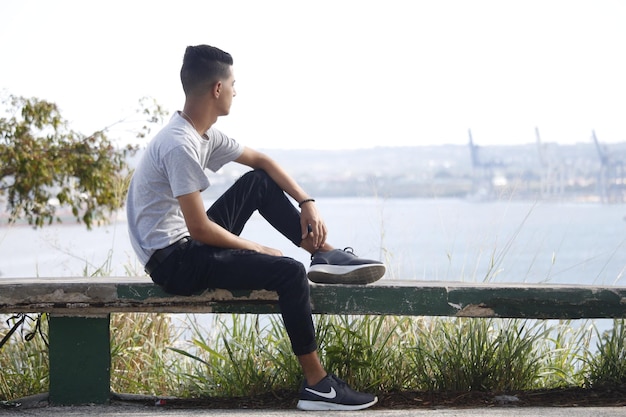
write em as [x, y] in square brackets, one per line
[199, 117]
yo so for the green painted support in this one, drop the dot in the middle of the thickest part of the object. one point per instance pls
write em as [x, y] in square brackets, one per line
[80, 360]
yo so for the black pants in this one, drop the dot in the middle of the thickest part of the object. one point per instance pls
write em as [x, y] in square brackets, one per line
[196, 266]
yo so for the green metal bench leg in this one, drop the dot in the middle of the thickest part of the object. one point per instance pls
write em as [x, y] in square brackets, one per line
[80, 360]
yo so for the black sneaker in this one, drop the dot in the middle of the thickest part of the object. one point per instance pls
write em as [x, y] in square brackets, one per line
[331, 393]
[344, 267]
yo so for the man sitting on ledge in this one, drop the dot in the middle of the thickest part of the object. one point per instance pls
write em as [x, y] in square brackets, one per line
[186, 249]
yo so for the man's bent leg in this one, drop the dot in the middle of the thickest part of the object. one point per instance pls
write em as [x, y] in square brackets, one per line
[254, 191]
[257, 191]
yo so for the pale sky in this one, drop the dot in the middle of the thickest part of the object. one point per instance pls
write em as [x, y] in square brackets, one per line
[336, 74]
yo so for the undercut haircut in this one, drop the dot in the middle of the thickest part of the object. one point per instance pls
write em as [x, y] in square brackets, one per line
[203, 66]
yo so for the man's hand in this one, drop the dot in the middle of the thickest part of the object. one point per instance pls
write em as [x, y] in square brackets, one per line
[269, 251]
[312, 225]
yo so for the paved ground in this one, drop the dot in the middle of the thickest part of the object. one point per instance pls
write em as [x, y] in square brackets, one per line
[37, 406]
[142, 411]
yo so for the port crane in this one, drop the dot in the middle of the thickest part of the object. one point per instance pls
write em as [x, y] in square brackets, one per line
[485, 178]
[552, 175]
[611, 178]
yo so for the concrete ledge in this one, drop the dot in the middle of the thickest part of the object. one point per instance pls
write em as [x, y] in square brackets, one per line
[86, 297]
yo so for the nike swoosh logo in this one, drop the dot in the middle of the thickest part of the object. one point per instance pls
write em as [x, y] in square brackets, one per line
[329, 395]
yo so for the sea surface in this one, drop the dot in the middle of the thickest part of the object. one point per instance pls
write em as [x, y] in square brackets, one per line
[418, 239]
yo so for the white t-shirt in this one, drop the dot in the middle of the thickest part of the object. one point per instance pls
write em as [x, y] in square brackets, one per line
[172, 165]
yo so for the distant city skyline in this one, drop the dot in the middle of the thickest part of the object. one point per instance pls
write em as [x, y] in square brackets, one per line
[336, 74]
[550, 172]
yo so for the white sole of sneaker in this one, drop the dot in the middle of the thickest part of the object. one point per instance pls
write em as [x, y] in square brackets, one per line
[307, 405]
[352, 274]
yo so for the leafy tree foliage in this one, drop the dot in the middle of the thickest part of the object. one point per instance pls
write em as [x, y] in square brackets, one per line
[44, 165]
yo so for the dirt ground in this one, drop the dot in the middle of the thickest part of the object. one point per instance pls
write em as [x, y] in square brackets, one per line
[570, 397]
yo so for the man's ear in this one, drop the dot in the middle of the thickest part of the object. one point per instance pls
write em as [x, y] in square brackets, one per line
[217, 89]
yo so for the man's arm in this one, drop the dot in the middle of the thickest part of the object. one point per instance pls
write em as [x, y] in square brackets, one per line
[309, 215]
[202, 229]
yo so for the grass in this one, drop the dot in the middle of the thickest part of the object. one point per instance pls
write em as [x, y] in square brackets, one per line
[355, 347]
[478, 355]
[23, 363]
[246, 355]
[608, 367]
[244, 358]
[243, 355]
[138, 360]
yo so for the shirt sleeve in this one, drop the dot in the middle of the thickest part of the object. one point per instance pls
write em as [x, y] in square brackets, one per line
[222, 150]
[184, 172]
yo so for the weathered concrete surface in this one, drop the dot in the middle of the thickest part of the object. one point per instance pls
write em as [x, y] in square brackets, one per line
[88, 296]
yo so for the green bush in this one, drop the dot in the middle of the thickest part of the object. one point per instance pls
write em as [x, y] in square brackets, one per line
[608, 366]
[478, 355]
[24, 358]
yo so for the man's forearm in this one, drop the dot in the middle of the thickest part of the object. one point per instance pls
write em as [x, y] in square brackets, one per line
[284, 180]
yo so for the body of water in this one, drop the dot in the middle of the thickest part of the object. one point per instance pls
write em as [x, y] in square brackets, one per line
[418, 239]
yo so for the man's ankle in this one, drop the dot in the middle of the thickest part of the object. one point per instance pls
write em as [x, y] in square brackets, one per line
[312, 381]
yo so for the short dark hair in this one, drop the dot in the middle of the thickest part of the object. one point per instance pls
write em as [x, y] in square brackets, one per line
[203, 66]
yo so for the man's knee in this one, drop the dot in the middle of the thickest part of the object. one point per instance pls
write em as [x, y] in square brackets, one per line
[294, 276]
[256, 175]
[298, 271]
